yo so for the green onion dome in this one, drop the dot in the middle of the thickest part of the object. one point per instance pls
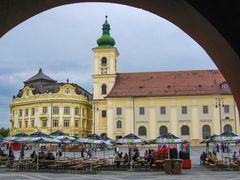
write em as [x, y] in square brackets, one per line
[106, 40]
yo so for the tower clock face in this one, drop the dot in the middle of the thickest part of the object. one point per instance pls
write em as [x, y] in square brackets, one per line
[104, 71]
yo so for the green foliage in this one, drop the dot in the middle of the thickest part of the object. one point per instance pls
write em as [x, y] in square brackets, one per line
[4, 132]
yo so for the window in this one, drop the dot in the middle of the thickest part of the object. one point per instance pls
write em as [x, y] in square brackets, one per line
[184, 109]
[55, 123]
[184, 130]
[227, 128]
[225, 87]
[119, 111]
[119, 124]
[66, 123]
[26, 124]
[142, 131]
[141, 111]
[20, 113]
[163, 130]
[26, 112]
[104, 89]
[206, 131]
[32, 124]
[66, 110]
[20, 124]
[226, 109]
[45, 110]
[205, 109]
[83, 112]
[76, 123]
[27, 93]
[104, 61]
[104, 113]
[33, 111]
[55, 110]
[67, 91]
[162, 110]
[44, 123]
[76, 111]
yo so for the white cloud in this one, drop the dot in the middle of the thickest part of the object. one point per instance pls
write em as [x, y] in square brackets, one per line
[60, 41]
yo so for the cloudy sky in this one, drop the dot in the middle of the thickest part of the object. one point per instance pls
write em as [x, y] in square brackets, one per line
[60, 42]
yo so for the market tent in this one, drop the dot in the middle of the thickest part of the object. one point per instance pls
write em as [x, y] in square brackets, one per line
[168, 139]
[130, 139]
[227, 137]
[91, 139]
[17, 138]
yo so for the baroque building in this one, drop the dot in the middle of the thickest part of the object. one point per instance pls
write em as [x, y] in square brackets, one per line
[190, 104]
[46, 105]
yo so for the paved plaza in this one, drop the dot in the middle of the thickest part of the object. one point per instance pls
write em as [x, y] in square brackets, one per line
[197, 171]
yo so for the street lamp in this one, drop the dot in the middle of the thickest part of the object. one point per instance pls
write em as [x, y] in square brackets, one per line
[95, 108]
[219, 104]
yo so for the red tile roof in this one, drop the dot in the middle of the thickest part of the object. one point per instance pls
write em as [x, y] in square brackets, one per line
[171, 83]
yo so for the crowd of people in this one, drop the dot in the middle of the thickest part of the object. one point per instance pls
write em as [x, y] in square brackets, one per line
[210, 158]
[132, 156]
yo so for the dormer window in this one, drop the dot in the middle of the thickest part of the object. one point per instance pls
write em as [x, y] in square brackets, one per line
[104, 61]
[225, 87]
[27, 93]
[67, 91]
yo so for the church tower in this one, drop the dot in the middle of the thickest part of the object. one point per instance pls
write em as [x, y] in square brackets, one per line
[104, 76]
[105, 64]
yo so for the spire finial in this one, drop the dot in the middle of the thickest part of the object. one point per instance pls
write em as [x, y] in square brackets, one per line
[106, 39]
[40, 70]
[67, 80]
[106, 16]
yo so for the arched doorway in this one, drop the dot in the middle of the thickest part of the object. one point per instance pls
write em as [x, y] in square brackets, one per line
[163, 130]
[185, 130]
[142, 131]
[206, 131]
[103, 135]
[227, 128]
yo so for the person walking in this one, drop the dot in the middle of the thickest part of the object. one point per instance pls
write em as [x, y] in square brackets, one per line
[217, 146]
[115, 150]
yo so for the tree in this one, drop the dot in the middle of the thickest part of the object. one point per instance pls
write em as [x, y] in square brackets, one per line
[4, 132]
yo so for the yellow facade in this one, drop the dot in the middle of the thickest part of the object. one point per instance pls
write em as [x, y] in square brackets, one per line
[48, 112]
[190, 117]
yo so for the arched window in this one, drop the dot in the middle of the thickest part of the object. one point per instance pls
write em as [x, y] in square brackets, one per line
[184, 130]
[142, 131]
[163, 130]
[206, 131]
[228, 128]
[119, 124]
[67, 91]
[27, 93]
[104, 61]
[103, 135]
[104, 89]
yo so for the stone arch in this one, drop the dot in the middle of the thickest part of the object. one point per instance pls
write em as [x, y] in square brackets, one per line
[185, 130]
[163, 130]
[227, 127]
[206, 131]
[104, 89]
[142, 131]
